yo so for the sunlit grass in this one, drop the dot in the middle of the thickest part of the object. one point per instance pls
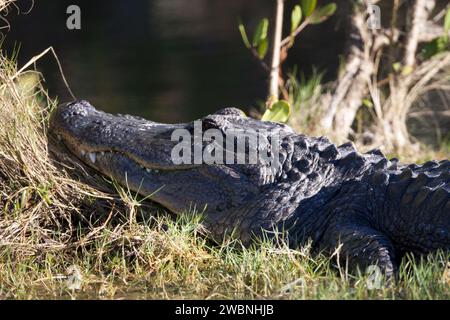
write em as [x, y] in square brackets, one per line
[168, 260]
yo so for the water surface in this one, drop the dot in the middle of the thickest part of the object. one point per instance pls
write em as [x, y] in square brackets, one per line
[168, 60]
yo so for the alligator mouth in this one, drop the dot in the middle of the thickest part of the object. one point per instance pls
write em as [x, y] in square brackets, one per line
[101, 156]
[95, 158]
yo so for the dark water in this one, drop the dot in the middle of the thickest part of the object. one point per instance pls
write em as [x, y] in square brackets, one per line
[168, 60]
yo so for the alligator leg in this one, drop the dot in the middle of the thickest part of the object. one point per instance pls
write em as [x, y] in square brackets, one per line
[352, 228]
[360, 245]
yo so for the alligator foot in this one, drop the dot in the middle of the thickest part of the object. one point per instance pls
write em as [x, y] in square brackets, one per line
[361, 246]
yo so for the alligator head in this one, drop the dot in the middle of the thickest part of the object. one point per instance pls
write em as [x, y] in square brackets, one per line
[140, 154]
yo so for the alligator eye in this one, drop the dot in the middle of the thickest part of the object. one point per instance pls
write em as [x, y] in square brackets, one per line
[210, 123]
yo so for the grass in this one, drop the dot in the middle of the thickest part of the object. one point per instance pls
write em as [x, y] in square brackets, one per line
[68, 233]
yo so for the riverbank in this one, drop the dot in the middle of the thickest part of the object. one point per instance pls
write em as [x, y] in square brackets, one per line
[66, 232]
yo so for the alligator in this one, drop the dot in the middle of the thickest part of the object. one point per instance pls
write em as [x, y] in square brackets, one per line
[373, 209]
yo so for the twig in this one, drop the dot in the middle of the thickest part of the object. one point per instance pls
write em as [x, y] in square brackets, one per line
[286, 41]
[262, 62]
[275, 69]
[441, 14]
[421, 11]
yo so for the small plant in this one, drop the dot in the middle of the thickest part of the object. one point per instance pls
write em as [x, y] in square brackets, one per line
[305, 13]
[304, 97]
[279, 112]
[440, 44]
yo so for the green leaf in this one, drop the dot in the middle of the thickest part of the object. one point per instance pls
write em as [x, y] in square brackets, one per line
[308, 7]
[397, 66]
[447, 21]
[429, 50]
[262, 48]
[296, 18]
[278, 112]
[436, 46]
[323, 13]
[407, 70]
[442, 43]
[261, 32]
[244, 35]
[367, 103]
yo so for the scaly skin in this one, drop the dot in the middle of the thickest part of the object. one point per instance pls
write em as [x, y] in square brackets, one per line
[375, 208]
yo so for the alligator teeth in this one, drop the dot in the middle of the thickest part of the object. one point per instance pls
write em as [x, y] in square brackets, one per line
[83, 152]
[92, 156]
[59, 137]
[102, 153]
[151, 170]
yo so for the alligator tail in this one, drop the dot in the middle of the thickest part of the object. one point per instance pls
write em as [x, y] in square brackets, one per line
[417, 208]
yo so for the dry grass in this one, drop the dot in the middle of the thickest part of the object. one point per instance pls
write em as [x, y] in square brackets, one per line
[31, 182]
[5, 7]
